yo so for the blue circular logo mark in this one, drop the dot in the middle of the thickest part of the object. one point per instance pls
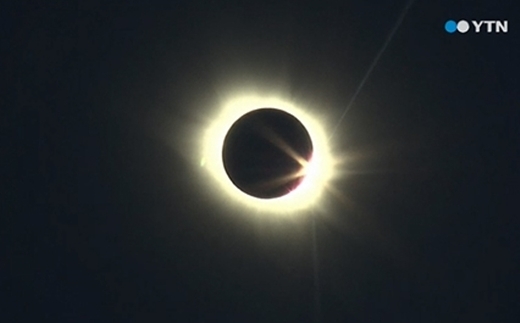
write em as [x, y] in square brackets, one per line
[450, 26]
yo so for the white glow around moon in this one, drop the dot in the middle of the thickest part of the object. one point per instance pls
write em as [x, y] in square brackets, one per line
[318, 172]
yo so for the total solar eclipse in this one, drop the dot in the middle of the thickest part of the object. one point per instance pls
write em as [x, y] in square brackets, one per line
[265, 153]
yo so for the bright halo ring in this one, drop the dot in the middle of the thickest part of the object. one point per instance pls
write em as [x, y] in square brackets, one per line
[318, 171]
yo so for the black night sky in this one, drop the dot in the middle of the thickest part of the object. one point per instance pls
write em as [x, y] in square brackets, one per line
[106, 212]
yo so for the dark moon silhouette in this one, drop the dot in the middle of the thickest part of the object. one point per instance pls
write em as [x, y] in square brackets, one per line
[260, 149]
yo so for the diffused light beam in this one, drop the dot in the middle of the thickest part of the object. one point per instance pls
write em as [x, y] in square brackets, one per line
[374, 63]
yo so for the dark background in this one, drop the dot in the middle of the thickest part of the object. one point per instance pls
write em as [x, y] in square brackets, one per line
[106, 215]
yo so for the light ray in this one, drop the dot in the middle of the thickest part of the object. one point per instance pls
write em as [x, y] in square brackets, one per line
[373, 64]
[286, 148]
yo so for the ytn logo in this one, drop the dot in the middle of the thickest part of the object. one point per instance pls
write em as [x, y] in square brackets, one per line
[488, 26]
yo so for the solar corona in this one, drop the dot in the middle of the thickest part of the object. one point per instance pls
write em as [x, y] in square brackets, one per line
[267, 155]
